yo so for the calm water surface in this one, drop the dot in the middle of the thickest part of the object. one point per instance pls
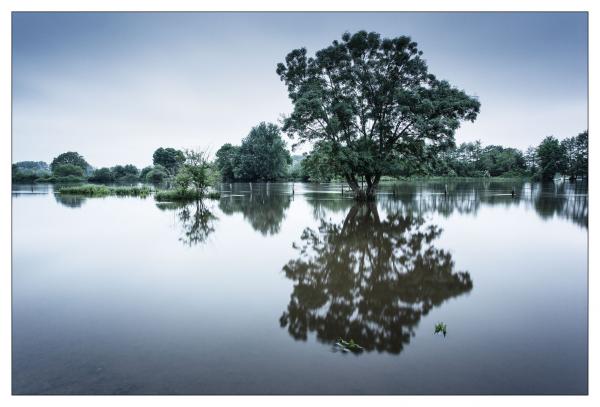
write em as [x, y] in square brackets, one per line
[248, 294]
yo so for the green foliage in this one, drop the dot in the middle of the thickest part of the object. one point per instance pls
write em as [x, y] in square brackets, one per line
[296, 170]
[319, 165]
[28, 171]
[88, 190]
[157, 175]
[227, 160]
[262, 156]
[349, 345]
[182, 180]
[33, 166]
[170, 158]
[440, 327]
[142, 191]
[576, 154]
[196, 171]
[552, 158]
[373, 102]
[102, 190]
[64, 170]
[191, 182]
[71, 158]
[127, 172]
[144, 172]
[102, 175]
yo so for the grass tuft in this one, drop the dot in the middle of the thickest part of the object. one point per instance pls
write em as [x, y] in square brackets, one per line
[440, 327]
[349, 345]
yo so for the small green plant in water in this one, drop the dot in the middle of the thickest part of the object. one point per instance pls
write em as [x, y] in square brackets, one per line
[440, 327]
[349, 345]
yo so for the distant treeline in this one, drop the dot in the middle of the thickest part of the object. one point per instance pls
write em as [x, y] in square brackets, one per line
[568, 157]
[263, 156]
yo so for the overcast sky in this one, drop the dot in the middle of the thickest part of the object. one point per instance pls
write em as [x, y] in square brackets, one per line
[116, 86]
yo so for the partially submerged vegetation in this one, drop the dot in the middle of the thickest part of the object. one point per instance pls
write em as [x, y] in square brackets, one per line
[349, 345]
[440, 327]
[103, 190]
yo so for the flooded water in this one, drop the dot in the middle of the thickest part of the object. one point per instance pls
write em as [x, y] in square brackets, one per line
[249, 294]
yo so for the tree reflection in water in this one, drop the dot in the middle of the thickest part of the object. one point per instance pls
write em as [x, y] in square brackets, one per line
[264, 211]
[369, 279]
[196, 221]
[70, 201]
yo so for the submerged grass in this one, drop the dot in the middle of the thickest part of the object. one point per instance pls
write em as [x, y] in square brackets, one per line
[103, 190]
[166, 195]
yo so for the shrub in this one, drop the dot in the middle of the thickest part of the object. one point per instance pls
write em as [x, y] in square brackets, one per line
[102, 175]
[157, 175]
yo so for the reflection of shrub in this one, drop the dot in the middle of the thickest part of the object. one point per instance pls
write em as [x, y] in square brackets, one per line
[65, 170]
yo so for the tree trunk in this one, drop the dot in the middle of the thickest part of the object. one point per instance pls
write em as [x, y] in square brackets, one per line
[361, 194]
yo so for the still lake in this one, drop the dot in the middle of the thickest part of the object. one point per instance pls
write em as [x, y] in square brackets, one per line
[248, 294]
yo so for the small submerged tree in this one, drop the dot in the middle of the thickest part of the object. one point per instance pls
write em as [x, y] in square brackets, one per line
[195, 171]
[372, 101]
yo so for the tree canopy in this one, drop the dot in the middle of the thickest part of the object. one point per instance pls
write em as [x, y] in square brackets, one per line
[65, 170]
[262, 156]
[373, 101]
[170, 158]
[227, 158]
[551, 158]
[576, 154]
[70, 157]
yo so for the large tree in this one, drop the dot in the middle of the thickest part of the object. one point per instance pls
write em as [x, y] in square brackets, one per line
[576, 154]
[373, 101]
[227, 158]
[169, 158]
[263, 155]
[70, 157]
[551, 158]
